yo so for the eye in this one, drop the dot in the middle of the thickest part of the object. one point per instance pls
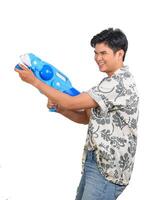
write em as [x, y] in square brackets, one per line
[103, 52]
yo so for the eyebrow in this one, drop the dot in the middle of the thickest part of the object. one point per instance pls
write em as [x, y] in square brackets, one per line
[99, 52]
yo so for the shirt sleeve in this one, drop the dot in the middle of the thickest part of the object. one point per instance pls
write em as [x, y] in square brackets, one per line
[107, 95]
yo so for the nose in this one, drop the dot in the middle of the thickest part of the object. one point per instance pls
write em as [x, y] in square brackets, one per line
[98, 57]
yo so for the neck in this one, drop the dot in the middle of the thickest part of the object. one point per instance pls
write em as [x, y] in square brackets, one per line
[115, 69]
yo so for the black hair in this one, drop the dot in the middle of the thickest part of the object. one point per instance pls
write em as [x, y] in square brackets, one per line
[114, 38]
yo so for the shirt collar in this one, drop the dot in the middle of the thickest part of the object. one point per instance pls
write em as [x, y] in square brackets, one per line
[121, 70]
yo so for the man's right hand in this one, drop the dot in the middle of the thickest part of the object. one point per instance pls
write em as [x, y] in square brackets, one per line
[50, 104]
[81, 117]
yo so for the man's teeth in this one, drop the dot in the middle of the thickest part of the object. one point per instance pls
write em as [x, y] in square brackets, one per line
[101, 63]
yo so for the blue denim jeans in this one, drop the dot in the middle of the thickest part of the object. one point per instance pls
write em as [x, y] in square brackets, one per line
[93, 185]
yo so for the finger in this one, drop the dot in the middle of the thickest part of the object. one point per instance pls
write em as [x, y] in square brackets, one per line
[50, 106]
[23, 67]
[17, 70]
[20, 67]
[50, 102]
[20, 71]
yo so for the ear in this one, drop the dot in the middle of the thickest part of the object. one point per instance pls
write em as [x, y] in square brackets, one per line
[121, 54]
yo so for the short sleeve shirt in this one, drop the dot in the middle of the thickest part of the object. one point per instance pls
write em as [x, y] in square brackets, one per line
[112, 129]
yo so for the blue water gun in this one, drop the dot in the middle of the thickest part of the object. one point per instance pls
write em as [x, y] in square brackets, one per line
[48, 74]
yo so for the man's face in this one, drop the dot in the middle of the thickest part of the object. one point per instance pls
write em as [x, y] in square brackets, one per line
[107, 60]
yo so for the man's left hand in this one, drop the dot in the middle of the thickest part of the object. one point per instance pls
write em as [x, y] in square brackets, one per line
[26, 75]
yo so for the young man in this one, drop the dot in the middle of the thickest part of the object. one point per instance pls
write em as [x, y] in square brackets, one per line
[111, 110]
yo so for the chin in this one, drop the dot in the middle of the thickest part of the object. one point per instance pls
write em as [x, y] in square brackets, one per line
[102, 69]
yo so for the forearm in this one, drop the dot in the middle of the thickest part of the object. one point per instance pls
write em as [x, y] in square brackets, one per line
[54, 95]
[76, 116]
[78, 102]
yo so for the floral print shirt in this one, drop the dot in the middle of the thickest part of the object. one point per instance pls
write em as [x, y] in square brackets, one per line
[112, 129]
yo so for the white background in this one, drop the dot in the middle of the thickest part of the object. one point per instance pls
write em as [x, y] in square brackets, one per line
[40, 152]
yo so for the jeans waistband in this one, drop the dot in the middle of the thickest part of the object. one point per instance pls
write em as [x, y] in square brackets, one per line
[91, 155]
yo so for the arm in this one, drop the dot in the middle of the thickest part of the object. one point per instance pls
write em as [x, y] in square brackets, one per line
[81, 101]
[81, 117]
[76, 116]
